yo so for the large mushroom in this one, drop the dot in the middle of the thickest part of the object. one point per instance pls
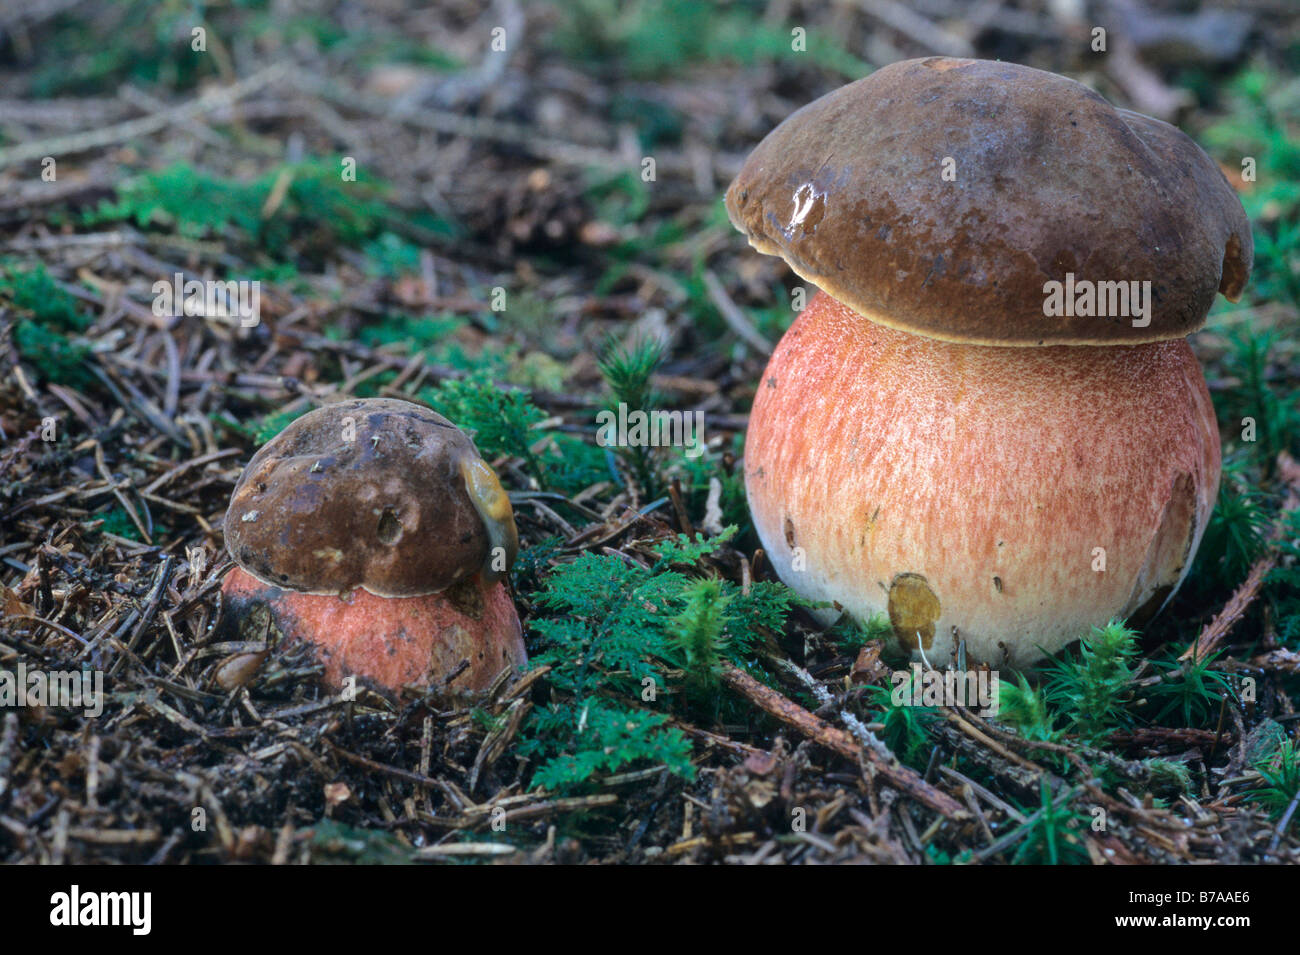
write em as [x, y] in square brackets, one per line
[372, 530]
[952, 432]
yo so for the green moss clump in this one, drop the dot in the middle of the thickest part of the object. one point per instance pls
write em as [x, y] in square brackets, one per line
[46, 334]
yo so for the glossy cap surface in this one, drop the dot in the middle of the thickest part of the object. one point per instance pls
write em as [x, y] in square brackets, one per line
[940, 196]
[375, 493]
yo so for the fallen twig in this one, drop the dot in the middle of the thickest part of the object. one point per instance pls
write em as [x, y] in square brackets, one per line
[1208, 640]
[120, 132]
[840, 741]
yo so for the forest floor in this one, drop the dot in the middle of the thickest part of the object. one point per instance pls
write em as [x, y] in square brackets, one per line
[506, 255]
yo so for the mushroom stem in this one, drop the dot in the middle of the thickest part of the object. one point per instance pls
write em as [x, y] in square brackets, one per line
[1007, 497]
[390, 642]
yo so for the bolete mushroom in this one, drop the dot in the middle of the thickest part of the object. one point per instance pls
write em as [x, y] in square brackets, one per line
[372, 530]
[986, 425]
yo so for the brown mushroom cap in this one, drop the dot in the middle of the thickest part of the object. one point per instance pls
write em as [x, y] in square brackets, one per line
[387, 510]
[1050, 179]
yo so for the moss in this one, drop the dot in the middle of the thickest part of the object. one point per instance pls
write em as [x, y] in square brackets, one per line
[46, 334]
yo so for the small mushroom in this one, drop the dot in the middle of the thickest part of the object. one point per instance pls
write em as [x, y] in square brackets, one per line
[932, 439]
[382, 539]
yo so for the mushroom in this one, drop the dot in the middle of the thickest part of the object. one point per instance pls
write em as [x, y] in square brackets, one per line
[372, 530]
[952, 431]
